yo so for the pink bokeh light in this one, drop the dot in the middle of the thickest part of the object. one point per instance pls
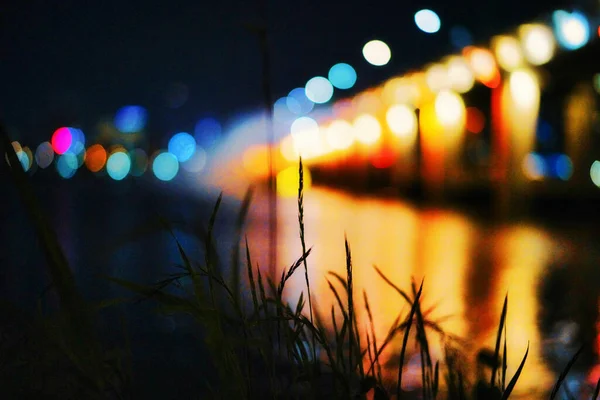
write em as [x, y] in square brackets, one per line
[62, 140]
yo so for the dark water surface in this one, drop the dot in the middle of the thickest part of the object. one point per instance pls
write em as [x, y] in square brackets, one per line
[551, 274]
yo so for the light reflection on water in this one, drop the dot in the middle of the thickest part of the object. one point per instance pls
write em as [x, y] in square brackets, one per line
[468, 268]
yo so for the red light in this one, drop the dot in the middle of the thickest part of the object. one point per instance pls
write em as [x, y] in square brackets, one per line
[475, 120]
[383, 159]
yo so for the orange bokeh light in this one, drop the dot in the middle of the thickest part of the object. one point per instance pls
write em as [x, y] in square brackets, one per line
[95, 157]
[384, 158]
[475, 120]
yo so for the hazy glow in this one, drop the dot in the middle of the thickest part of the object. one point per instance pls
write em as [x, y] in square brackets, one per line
[449, 107]
[197, 162]
[377, 53]
[95, 157]
[298, 103]
[288, 181]
[139, 162]
[339, 135]
[534, 166]
[475, 120]
[436, 77]
[67, 165]
[319, 90]
[597, 83]
[44, 155]
[165, 166]
[207, 132]
[483, 64]
[538, 43]
[572, 29]
[402, 120]
[401, 90]
[508, 52]
[182, 145]
[130, 119]
[62, 140]
[460, 76]
[595, 173]
[427, 21]
[384, 158]
[460, 37]
[118, 165]
[367, 129]
[306, 137]
[342, 76]
[524, 88]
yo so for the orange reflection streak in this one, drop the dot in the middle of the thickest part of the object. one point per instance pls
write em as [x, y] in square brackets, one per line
[467, 269]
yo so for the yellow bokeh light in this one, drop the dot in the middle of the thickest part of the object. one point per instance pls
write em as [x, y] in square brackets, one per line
[436, 77]
[483, 64]
[367, 129]
[400, 91]
[339, 135]
[460, 76]
[449, 108]
[402, 120]
[508, 52]
[377, 53]
[288, 181]
[524, 88]
[537, 42]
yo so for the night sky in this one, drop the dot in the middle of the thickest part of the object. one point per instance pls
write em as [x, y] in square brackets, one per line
[73, 62]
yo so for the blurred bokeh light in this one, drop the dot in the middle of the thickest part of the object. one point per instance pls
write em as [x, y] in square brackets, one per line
[44, 155]
[139, 162]
[298, 103]
[595, 173]
[367, 129]
[207, 132]
[61, 140]
[572, 29]
[182, 145]
[427, 21]
[339, 135]
[402, 120]
[95, 158]
[377, 53]
[165, 166]
[130, 119]
[319, 90]
[288, 181]
[118, 165]
[537, 42]
[342, 76]
[197, 162]
[66, 165]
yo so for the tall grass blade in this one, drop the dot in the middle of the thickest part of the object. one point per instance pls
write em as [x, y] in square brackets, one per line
[349, 289]
[504, 358]
[303, 242]
[372, 326]
[498, 340]
[563, 374]
[396, 288]
[411, 316]
[515, 378]
[251, 278]
[237, 238]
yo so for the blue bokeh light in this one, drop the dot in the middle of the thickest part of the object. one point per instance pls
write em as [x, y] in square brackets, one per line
[319, 90]
[165, 166]
[131, 119]
[118, 165]
[44, 155]
[342, 76]
[66, 165]
[572, 29]
[298, 103]
[208, 132]
[182, 145]
[560, 166]
[460, 37]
